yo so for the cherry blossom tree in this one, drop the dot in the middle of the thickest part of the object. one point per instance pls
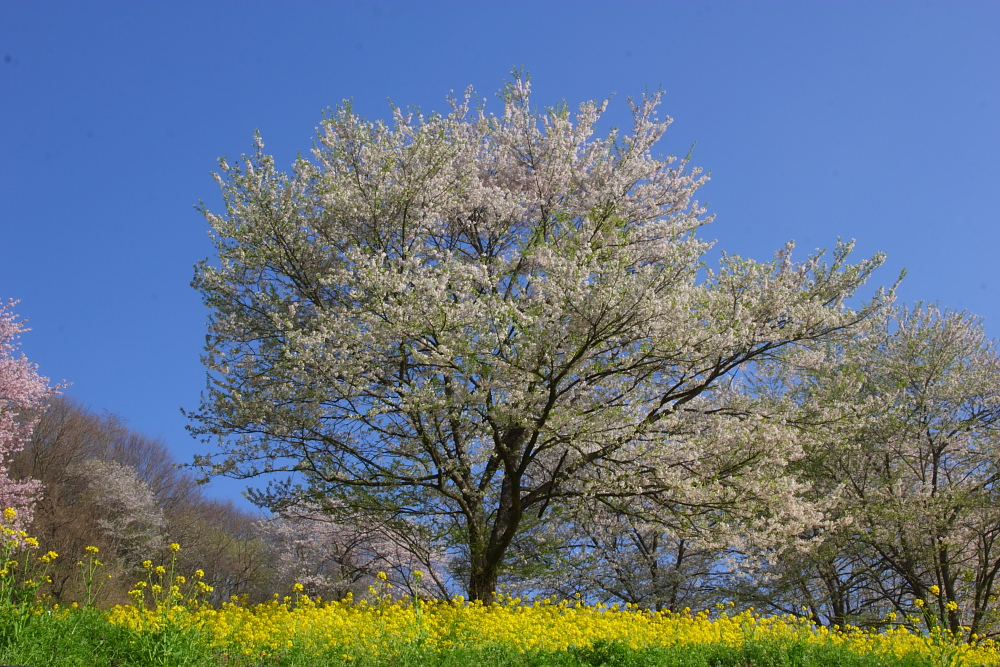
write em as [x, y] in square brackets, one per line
[332, 554]
[129, 516]
[467, 319]
[22, 396]
[901, 429]
[621, 557]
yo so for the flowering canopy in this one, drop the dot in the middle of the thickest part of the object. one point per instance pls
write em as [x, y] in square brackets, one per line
[902, 431]
[459, 320]
[22, 394]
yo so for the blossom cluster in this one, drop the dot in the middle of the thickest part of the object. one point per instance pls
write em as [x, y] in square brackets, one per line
[22, 394]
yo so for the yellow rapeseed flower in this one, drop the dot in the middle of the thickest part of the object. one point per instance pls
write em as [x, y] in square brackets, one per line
[92, 550]
[345, 628]
[934, 590]
[175, 547]
[10, 514]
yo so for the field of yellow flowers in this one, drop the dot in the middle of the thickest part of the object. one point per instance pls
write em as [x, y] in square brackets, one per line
[167, 623]
[345, 631]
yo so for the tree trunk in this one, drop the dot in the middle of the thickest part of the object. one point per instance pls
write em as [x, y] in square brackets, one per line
[485, 562]
[483, 580]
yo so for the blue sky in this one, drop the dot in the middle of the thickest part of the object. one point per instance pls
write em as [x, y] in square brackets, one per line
[878, 121]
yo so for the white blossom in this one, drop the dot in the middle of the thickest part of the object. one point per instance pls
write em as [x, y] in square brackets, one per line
[462, 319]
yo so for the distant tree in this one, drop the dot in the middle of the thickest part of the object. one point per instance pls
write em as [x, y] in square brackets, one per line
[463, 320]
[128, 514]
[622, 557]
[227, 543]
[333, 558]
[829, 575]
[901, 432]
[23, 394]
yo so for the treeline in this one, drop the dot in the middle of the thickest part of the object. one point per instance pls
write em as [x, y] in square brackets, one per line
[898, 471]
[105, 485]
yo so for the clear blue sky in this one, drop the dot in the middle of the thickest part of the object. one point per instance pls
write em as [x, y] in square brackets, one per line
[878, 121]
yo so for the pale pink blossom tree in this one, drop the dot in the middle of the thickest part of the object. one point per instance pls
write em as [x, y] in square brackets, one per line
[23, 393]
[129, 514]
[332, 553]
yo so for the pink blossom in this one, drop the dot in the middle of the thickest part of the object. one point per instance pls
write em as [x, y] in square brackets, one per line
[23, 393]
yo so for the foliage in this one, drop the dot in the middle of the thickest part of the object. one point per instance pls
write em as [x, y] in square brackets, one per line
[462, 321]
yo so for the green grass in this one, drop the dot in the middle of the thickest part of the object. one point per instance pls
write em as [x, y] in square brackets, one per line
[85, 638]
